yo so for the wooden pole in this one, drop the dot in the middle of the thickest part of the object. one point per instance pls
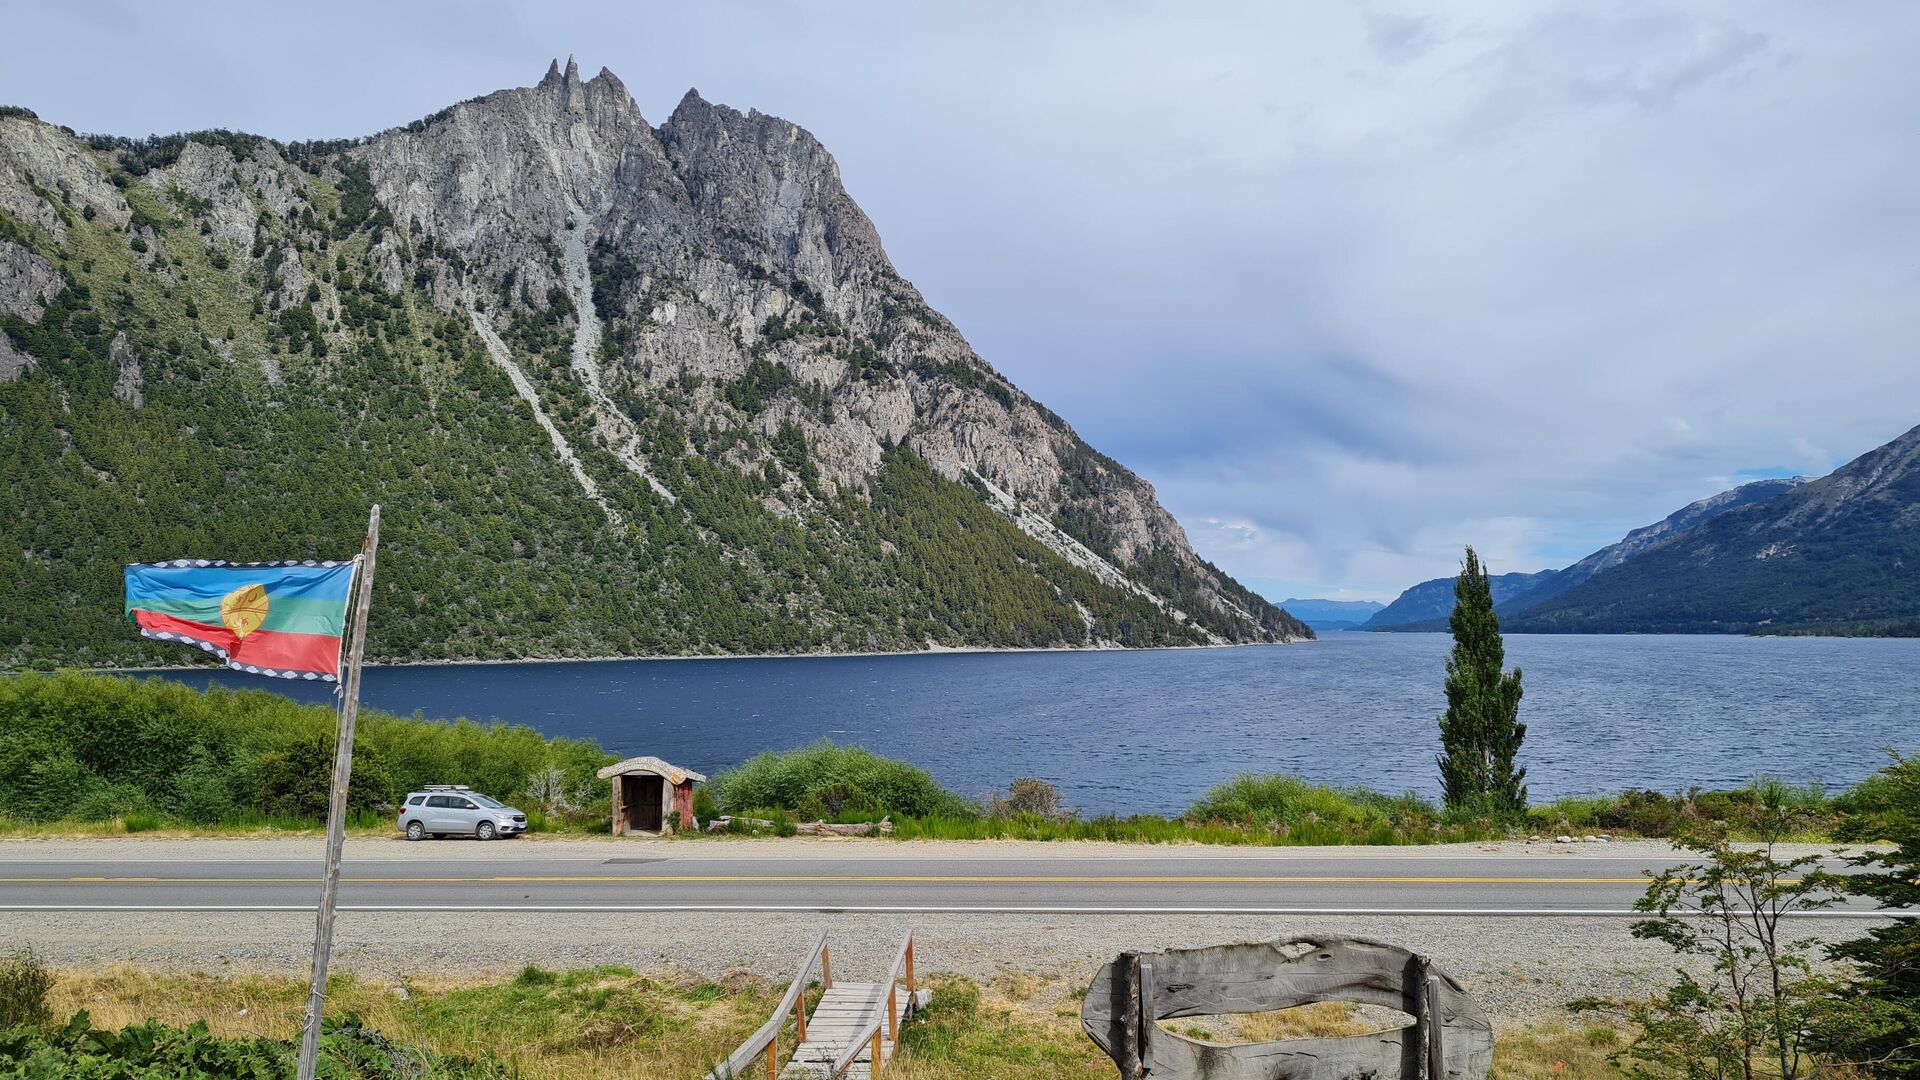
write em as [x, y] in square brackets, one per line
[826, 969]
[773, 1059]
[892, 997]
[1421, 1041]
[1126, 1011]
[874, 1069]
[337, 803]
[909, 965]
[1148, 1018]
[1436, 1032]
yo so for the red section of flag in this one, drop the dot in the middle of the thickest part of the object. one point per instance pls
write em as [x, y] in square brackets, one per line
[268, 649]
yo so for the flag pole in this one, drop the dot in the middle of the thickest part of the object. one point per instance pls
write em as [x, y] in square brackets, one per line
[337, 803]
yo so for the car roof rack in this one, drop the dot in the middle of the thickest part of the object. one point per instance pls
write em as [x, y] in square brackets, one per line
[446, 787]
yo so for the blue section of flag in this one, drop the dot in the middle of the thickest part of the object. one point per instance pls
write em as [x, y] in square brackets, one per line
[206, 580]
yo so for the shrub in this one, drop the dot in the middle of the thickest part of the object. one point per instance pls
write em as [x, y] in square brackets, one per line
[1573, 813]
[156, 1051]
[1645, 812]
[24, 982]
[1277, 800]
[784, 780]
[86, 747]
[296, 782]
[1030, 796]
[1878, 807]
[1752, 1001]
[1882, 982]
[705, 806]
[838, 801]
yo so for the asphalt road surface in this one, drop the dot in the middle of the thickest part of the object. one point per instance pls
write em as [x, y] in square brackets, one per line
[531, 876]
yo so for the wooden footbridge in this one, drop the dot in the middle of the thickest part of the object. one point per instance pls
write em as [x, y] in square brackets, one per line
[851, 1033]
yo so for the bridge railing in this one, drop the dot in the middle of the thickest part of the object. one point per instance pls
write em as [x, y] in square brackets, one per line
[868, 1036]
[766, 1041]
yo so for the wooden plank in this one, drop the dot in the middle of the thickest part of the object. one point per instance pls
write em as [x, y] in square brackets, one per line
[843, 1013]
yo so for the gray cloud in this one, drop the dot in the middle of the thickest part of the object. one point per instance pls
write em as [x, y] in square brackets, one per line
[1352, 286]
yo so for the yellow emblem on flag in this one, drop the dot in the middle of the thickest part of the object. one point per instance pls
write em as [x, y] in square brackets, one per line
[244, 609]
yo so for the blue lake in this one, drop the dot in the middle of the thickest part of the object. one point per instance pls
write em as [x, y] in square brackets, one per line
[1150, 731]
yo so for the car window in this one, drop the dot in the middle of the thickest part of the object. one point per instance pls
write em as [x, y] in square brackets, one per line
[494, 804]
[416, 800]
[462, 804]
[440, 801]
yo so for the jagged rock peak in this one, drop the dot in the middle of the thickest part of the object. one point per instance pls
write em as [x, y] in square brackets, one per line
[691, 104]
[562, 86]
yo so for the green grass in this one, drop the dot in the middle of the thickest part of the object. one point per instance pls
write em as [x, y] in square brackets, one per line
[1146, 829]
[1649, 813]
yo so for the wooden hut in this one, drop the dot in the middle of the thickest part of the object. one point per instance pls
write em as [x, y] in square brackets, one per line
[646, 791]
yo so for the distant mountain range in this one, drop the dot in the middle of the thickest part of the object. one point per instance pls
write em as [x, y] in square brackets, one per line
[1427, 605]
[1840, 554]
[1331, 615]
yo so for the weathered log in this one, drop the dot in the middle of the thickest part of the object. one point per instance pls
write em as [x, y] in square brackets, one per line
[1124, 995]
[809, 828]
[1264, 976]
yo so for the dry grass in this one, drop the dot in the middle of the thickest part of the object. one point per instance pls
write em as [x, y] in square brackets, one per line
[1556, 1052]
[609, 1022]
[584, 1025]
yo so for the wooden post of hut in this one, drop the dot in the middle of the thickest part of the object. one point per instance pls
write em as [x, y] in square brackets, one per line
[647, 793]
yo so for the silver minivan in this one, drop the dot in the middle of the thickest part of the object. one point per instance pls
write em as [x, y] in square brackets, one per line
[448, 810]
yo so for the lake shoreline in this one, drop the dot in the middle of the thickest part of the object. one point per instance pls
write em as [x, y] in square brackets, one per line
[959, 650]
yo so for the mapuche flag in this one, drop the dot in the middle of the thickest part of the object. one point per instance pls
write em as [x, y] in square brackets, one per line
[283, 619]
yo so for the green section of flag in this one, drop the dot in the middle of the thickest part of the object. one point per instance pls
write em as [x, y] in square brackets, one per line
[285, 614]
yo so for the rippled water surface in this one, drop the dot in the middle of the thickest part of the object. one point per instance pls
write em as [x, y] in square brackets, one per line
[1150, 731]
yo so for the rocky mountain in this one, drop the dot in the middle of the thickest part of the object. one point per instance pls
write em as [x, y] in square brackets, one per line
[621, 388]
[1647, 537]
[1326, 616]
[1516, 594]
[1838, 554]
[1425, 607]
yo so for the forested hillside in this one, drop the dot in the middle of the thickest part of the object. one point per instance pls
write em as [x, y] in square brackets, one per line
[658, 391]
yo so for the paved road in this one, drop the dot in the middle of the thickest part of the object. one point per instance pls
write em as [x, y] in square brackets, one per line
[512, 876]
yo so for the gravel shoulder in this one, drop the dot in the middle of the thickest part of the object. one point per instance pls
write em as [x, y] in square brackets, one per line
[1521, 970]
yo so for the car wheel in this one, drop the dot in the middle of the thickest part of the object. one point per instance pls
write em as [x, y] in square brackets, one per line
[484, 830]
[416, 831]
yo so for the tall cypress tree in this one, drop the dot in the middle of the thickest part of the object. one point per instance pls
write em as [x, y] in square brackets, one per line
[1481, 730]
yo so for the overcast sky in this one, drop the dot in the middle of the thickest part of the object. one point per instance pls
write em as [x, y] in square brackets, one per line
[1353, 285]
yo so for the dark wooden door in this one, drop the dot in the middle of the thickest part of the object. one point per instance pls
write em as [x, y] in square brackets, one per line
[644, 794]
